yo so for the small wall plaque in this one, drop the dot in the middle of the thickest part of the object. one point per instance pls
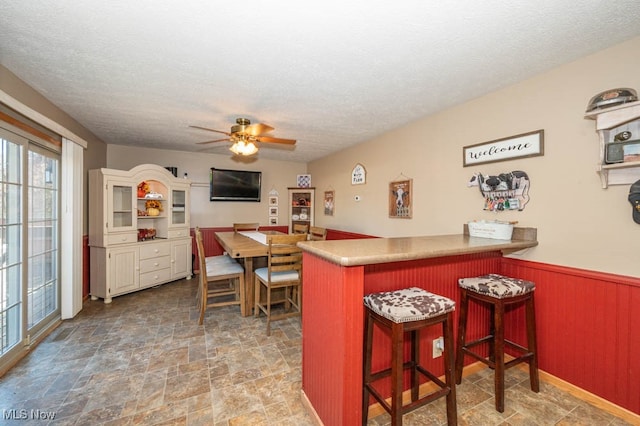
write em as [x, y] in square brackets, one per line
[358, 175]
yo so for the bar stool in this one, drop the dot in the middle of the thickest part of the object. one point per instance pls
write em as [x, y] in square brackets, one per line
[498, 292]
[397, 312]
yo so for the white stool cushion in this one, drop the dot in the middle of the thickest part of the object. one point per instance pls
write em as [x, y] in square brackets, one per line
[277, 276]
[497, 286]
[409, 304]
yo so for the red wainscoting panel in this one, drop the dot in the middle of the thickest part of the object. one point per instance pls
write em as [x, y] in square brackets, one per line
[327, 337]
[588, 327]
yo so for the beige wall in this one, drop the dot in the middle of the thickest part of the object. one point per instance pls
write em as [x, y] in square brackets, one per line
[95, 156]
[579, 223]
[276, 175]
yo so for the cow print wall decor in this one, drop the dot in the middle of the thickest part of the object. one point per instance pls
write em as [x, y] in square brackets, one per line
[506, 191]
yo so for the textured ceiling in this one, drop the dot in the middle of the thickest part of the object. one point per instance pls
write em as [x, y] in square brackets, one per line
[330, 74]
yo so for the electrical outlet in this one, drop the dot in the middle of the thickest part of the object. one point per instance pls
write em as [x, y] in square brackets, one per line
[438, 347]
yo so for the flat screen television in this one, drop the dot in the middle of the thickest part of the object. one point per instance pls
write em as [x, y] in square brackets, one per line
[234, 185]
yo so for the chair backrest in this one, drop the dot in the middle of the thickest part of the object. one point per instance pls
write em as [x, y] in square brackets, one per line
[284, 253]
[317, 233]
[299, 228]
[201, 258]
[245, 227]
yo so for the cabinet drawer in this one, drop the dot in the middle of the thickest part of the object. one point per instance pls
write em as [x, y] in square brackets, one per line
[129, 237]
[155, 264]
[176, 233]
[151, 250]
[155, 277]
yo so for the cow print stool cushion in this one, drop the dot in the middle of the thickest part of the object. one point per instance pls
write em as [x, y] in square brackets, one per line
[497, 286]
[409, 304]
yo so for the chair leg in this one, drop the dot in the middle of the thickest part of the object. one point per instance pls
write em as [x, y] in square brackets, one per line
[415, 360]
[268, 289]
[447, 333]
[396, 373]
[256, 295]
[204, 290]
[498, 350]
[492, 332]
[532, 345]
[241, 292]
[462, 330]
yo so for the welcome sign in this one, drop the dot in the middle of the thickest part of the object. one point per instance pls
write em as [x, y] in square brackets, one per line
[524, 145]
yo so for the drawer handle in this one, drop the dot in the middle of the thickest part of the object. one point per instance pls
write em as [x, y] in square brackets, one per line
[156, 264]
[156, 250]
[123, 238]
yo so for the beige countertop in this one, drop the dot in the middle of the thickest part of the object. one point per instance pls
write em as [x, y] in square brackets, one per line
[384, 250]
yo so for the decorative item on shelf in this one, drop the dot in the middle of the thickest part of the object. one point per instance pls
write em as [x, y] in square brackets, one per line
[302, 202]
[146, 234]
[494, 229]
[143, 189]
[152, 195]
[611, 98]
[154, 207]
[142, 213]
[506, 191]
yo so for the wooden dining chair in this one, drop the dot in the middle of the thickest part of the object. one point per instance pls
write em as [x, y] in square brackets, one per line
[317, 233]
[283, 271]
[237, 227]
[210, 260]
[221, 284]
[299, 228]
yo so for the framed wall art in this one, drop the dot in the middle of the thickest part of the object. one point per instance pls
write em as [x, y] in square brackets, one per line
[273, 200]
[401, 199]
[273, 211]
[304, 181]
[329, 203]
[524, 145]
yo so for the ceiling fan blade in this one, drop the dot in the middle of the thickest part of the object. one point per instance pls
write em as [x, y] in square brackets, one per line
[268, 139]
[217, 140]
[257, 129]
[211, 130]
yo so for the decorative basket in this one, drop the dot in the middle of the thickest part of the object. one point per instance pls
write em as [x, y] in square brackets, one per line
[152, 211]
[488, 229]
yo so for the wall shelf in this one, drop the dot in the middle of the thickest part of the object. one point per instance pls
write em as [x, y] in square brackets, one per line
[610, 122]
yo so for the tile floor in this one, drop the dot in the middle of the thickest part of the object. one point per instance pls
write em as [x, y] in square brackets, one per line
[143, 360]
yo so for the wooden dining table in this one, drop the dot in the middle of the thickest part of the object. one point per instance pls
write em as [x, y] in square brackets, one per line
[240, 246]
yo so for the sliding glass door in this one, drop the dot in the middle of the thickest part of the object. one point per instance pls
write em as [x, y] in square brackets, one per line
[29, 239]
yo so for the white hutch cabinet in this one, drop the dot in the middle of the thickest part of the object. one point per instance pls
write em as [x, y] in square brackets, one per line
[133, 247]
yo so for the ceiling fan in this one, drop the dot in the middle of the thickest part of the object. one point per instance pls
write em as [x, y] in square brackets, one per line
[244, 135]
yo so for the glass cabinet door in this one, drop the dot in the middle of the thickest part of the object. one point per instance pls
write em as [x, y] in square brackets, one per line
[178, 205]
[120, 202]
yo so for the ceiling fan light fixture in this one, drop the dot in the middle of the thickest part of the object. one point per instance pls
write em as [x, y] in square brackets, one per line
[243, 148]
